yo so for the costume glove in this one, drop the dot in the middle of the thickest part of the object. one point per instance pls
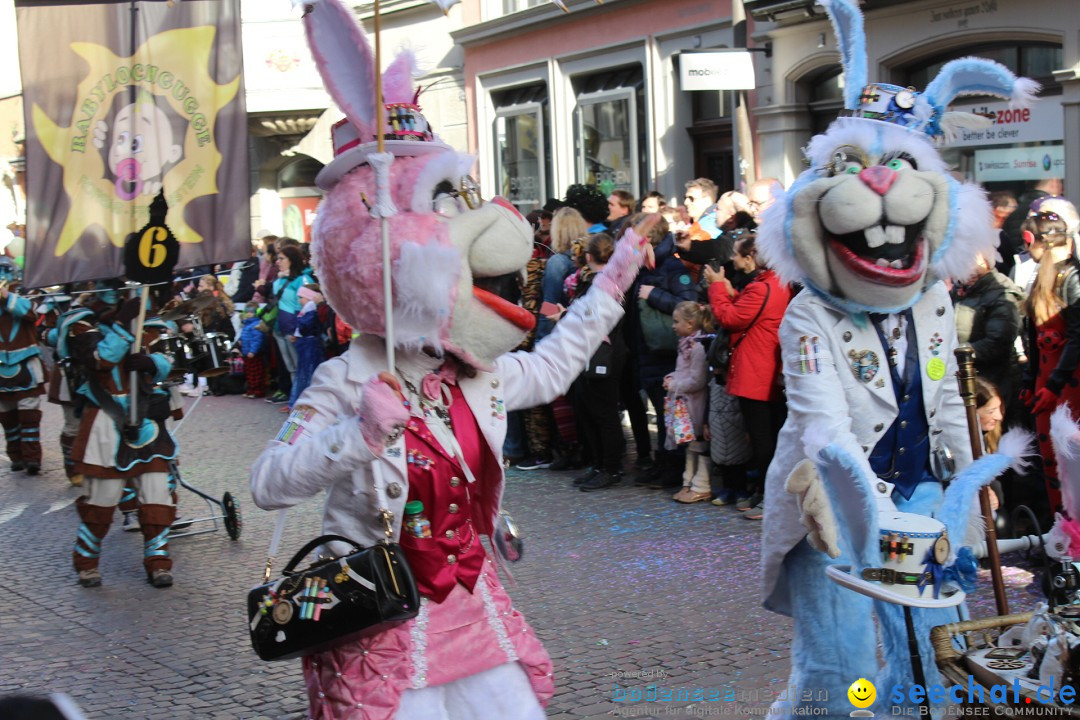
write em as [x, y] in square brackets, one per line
[128, 311]
[140, 362]
[632, 251]
[815, 512]
[382, 412]
[1045, 401]
[1027, 396]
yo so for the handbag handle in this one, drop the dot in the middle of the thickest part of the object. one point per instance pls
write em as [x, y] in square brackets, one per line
[768, 291]
[311, 545]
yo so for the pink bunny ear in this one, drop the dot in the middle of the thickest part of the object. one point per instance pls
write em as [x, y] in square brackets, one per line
[398, 79]
[344, 59]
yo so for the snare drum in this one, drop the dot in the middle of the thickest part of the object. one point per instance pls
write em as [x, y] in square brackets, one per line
[175, 348]
[211, 355]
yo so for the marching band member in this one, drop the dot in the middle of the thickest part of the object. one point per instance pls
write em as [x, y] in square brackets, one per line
[59, 390]
[109, 449]
[22, 375]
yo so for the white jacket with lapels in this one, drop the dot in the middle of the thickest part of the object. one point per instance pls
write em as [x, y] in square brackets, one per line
[325, 450]
[830, 398]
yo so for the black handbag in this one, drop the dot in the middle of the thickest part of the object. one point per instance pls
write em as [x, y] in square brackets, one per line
[332, 601]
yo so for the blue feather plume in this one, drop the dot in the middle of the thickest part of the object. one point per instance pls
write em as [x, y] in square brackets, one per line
[847, 22]
[978, 76]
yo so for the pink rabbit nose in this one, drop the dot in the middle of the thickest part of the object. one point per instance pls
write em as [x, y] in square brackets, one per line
[878, 177]
[503, 202]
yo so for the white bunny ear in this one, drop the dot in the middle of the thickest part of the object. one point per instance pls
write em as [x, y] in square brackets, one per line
[847, 22]
[344, 59]
[978, 76]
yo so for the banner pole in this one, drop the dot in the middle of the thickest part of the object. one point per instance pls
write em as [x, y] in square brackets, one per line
[133, 388]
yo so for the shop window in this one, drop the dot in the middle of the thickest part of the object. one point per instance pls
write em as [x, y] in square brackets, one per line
[522, 163]
[712, 105]
[609, 130]
[1035, 60]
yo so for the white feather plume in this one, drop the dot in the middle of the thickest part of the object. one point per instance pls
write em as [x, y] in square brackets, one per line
[1017, 444]
[1065, 436]
[953, 122]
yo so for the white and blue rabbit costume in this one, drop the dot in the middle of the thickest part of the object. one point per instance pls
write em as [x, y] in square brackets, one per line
[871, 229]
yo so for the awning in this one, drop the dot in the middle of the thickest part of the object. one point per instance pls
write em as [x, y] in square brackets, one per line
[316, 143]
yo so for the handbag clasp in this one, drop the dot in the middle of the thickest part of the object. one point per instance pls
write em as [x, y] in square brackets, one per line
[388, 523]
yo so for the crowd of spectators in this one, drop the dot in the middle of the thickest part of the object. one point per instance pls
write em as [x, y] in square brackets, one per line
[697, 353]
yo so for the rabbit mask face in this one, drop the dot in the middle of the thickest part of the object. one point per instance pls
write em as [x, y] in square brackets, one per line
[441, 261]
[444, 251]
[878, 218]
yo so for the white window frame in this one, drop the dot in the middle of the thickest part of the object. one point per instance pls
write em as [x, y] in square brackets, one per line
[596, 98]
[537, 110]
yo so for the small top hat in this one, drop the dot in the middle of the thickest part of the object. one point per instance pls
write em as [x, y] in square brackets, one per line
[914, 550]
[407, 133]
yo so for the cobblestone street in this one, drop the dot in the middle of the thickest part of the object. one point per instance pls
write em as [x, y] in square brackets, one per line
[623, 586]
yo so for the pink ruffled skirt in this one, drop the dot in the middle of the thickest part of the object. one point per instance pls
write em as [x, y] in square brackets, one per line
[470, 656]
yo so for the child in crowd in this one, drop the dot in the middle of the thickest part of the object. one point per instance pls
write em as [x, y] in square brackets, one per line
[687, 398]
[310, 325]
[252, 344]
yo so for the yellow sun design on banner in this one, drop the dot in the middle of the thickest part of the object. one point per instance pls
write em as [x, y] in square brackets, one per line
[158, 134]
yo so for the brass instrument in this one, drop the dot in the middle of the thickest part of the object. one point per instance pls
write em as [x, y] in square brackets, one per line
[965, 376]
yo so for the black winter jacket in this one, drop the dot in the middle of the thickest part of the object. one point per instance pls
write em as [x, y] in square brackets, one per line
[988, 317]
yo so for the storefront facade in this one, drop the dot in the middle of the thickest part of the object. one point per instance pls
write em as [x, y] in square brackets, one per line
[290, 113]
[907, 43]
[593, 96]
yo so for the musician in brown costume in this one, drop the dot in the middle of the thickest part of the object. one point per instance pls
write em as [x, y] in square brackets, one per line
[109, 449]
[22, 375]
[59, 390]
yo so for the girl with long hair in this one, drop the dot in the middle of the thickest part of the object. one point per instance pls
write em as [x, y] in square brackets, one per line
[1053, 313]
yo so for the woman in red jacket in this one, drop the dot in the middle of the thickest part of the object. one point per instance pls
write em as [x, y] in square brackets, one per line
[752, 319]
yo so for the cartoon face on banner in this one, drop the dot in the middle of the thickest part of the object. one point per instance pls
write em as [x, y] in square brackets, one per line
[142, 123]
[140, 146]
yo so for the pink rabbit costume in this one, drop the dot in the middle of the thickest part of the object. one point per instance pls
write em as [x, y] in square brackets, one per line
[468, 654]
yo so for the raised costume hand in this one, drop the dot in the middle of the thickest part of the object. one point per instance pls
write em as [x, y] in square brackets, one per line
[632, 252]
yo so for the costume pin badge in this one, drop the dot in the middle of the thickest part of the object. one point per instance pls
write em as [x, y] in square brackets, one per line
[935, 366]
[865, 364]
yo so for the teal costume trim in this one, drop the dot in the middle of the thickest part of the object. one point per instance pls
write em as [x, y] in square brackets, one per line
[155, 547]
[163, 365]
[92, 543]
[115, 343]
[63, 328]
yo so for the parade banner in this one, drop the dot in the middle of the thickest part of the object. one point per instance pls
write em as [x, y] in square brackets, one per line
[124, 100]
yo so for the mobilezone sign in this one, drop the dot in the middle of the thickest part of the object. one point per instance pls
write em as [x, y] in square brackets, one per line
[716, 70]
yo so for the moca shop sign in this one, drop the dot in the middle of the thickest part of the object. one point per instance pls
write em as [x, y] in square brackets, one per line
[716, 70]
[1042, 121]
[1029, 163]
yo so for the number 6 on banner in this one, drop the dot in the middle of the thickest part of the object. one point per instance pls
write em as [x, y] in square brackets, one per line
[151, 253]
[152, 250]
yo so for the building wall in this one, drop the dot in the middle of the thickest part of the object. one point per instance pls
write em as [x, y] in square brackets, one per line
[551, 47]
[903, 34]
